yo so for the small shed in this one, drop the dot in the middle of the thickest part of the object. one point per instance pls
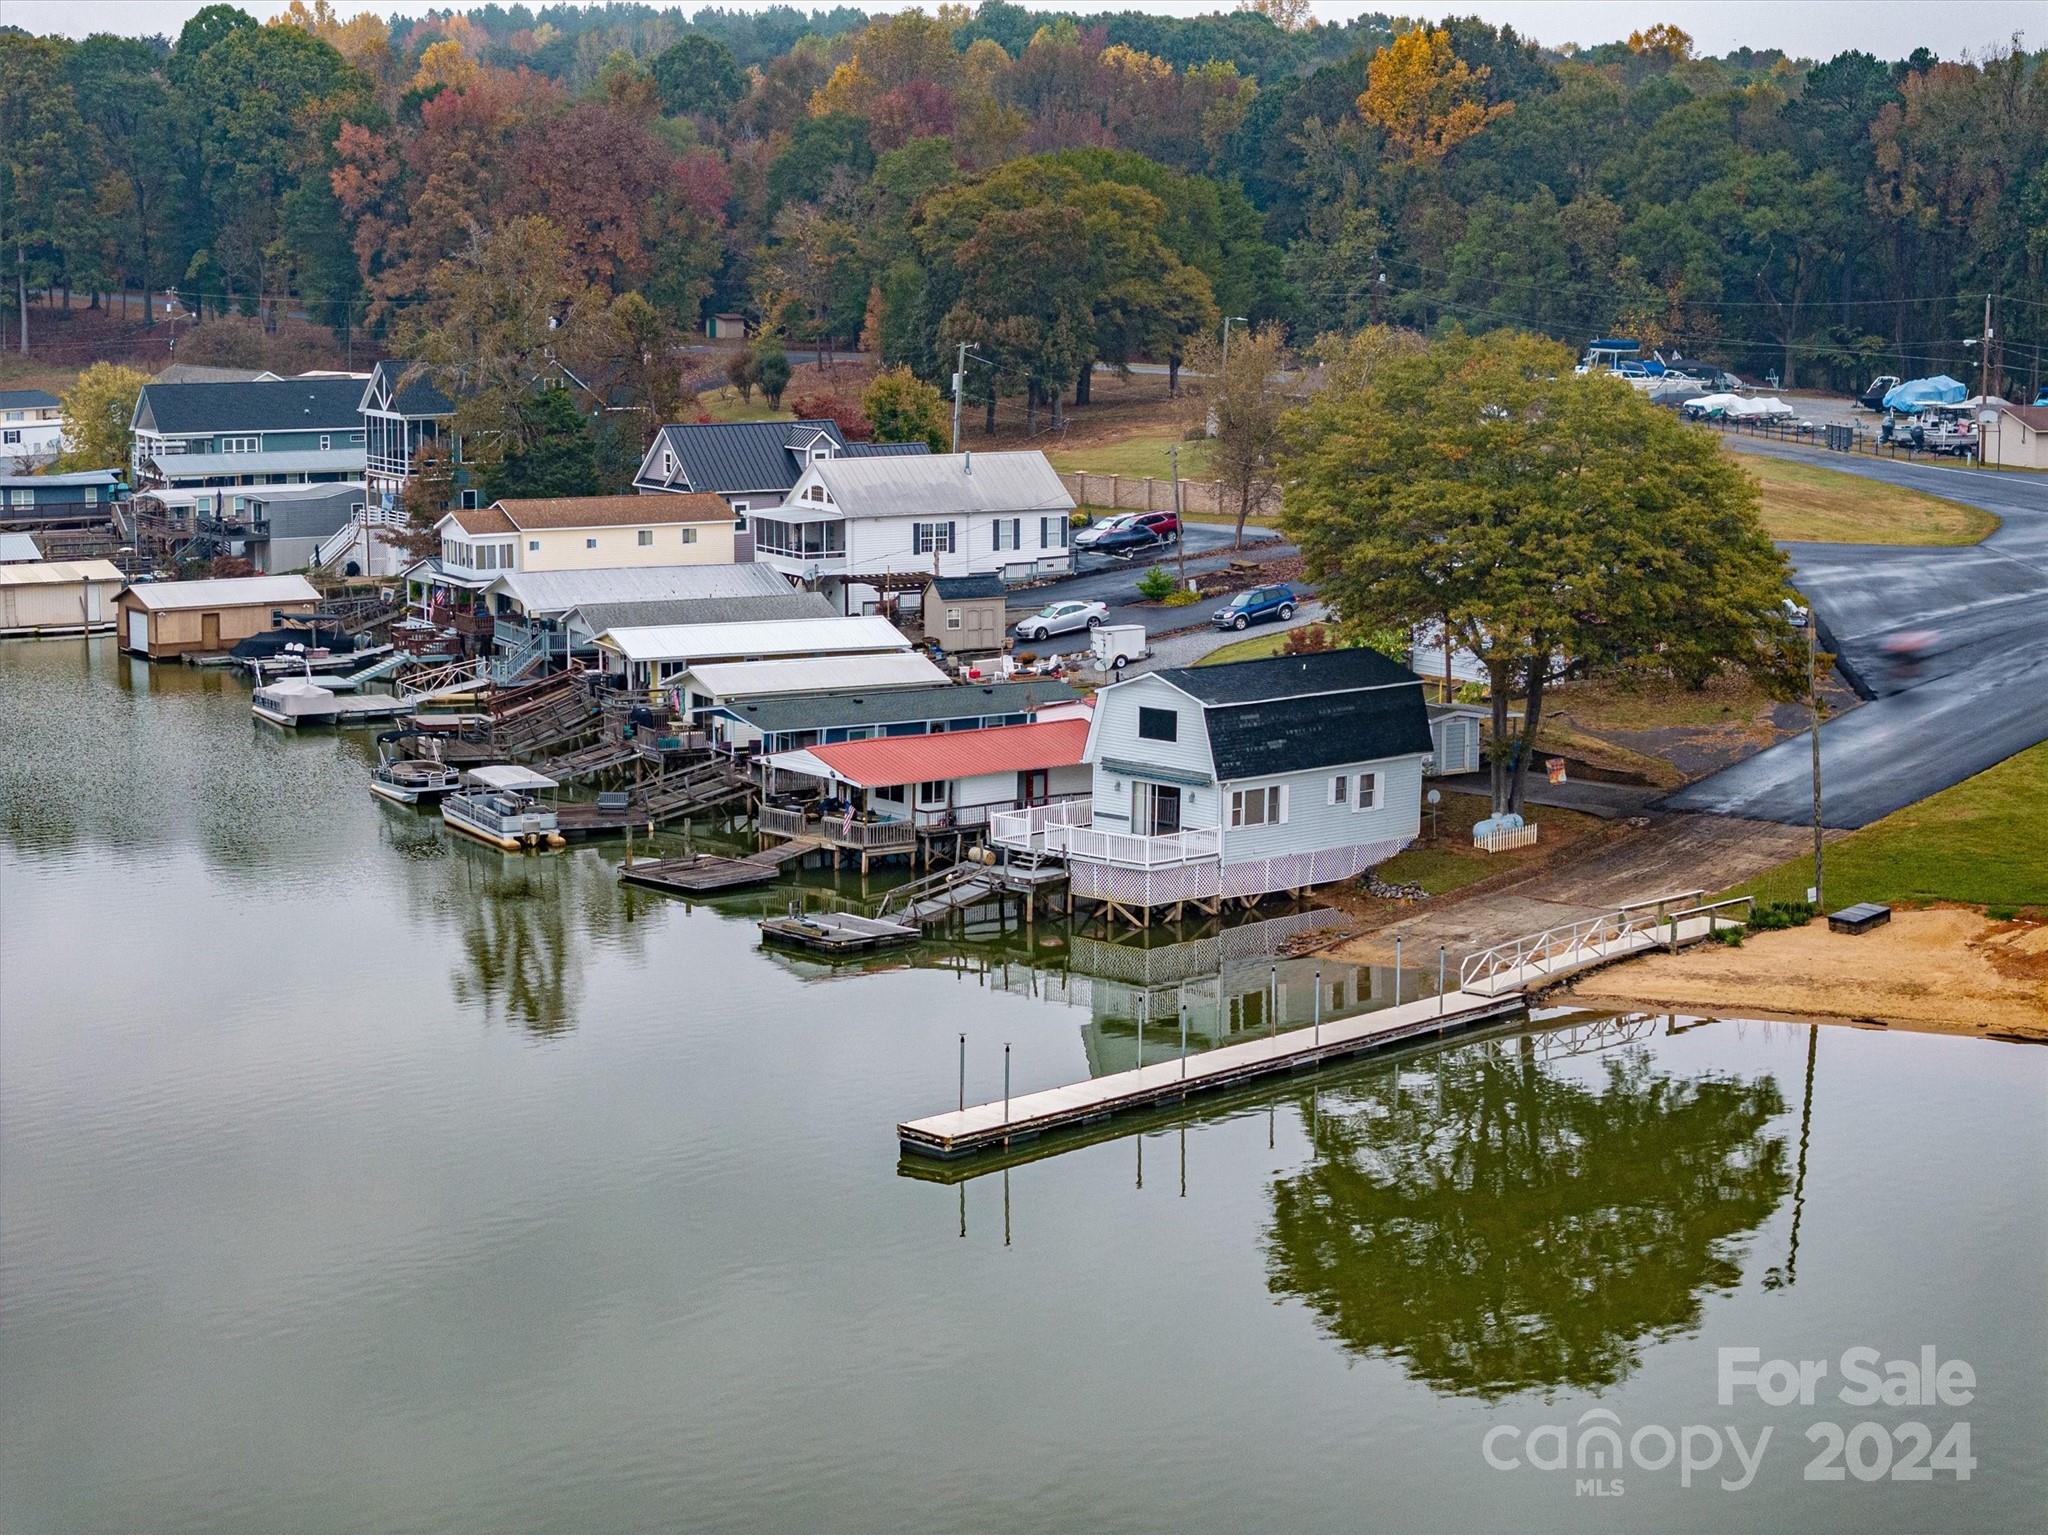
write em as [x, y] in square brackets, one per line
[2016, 437]
[164, 619]
[726, 327]
[966, 614]
[1454, 739]
[54, 598]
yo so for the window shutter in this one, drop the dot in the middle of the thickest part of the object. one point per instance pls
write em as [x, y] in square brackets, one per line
[1280, 810]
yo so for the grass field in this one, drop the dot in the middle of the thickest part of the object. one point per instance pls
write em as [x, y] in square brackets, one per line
[1256, 648]
[1805, 504]
[1969, 844]
[1138, 456]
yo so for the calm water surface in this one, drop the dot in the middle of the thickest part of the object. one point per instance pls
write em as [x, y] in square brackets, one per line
[353, 1178]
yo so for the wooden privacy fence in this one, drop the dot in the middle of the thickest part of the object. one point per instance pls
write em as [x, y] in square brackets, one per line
[1136, 493]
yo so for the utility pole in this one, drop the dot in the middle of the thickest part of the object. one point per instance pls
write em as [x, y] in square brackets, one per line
[959, 381]
[1180, 531]
[1984, 362]
[1813, 711]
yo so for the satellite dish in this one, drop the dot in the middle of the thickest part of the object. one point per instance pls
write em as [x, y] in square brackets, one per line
[1436, 796]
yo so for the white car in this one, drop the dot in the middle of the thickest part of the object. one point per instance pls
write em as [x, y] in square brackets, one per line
[1062, 618]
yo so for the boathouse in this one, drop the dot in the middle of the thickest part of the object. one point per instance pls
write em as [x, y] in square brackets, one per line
[166, 619]
[708, 686]
[646, 657]
[1238, 781]
[53, 598]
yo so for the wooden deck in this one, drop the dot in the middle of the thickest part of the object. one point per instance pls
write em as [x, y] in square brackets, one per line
[837, 933]
[1496, 992]
[702, 873]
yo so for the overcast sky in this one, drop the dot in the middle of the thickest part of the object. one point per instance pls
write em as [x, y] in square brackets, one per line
[1809, 28]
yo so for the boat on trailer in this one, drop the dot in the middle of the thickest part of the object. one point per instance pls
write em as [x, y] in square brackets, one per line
[501, 805]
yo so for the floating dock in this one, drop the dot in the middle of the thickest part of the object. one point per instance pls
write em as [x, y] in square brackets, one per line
[703, 873]
[1492, 984]
[837, 933]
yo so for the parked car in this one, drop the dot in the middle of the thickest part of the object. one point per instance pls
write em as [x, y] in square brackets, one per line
[1061, 618]
[1095, 532]
[1164, 526]
[1256, 606]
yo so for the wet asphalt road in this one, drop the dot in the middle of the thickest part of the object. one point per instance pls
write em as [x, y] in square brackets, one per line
[1115, 582]
[1978, 697]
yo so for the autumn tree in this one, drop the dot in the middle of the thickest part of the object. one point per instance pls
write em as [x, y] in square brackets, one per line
[844, 413]
[904, 408]
[1541, 518]
[429, 492]
[42, 169]
[98, 408]
[771, 367]
[1424, 97]
[548, 449]
[1241, 400]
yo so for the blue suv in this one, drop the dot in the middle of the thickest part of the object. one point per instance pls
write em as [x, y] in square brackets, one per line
[1256, 606]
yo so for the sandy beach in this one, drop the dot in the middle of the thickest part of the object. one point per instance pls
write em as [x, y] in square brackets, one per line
[1945, 970]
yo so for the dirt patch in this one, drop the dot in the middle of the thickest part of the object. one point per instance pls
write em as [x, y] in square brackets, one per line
[1681, 733]
[1947, 970]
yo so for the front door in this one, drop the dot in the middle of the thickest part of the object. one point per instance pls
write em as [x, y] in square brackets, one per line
[1155, 809]
[209, 631]
[1032, 786]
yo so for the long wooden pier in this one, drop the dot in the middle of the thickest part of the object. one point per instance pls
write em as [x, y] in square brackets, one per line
[1493, 984]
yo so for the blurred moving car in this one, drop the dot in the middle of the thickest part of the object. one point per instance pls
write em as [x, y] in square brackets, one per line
[1133, 530]
[1061, 618]
[1256, 606]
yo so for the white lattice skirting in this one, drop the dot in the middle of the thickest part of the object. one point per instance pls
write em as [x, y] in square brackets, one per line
[1205, 880]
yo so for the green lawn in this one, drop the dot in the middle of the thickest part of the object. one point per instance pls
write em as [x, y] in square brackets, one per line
[1806, 504]
[1138, 457]
[1970, 844]
[726, 405]
[1257, 648]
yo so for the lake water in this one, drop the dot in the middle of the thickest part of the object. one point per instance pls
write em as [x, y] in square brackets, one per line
[354, 1178]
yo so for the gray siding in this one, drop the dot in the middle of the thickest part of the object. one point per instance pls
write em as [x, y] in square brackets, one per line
[1313, 822]
[1115, 735]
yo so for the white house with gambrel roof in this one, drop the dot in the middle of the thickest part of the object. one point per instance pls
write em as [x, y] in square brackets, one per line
[1240, 780]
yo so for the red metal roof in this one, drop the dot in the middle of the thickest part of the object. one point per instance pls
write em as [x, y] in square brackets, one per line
[887, 760]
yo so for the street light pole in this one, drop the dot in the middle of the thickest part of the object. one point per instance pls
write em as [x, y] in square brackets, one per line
[959, 383]
[1813, 711]
[1227, 321]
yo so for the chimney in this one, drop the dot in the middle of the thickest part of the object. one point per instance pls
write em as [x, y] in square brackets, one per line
[967, 462]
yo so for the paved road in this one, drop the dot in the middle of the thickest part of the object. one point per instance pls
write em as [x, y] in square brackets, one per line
[1981, 696]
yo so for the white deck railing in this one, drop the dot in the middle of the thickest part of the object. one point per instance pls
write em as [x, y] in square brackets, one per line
[1060, 831]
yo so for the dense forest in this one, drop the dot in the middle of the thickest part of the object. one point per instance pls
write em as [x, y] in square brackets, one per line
[1057, 189]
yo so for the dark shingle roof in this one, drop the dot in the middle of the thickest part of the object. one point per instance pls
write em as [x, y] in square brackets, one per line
[1293, 735]
[969, 588]
[27, 399]
[816, 711]
[417, 398]
[266, 405]
[600, 616]
[734, 457]
[1291, 714]
[1325, 671]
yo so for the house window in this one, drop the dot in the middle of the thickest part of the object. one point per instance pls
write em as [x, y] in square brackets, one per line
[893, 793]
[931, 538]
[1009, 532]
[1258, 807]
[355, 436]
[1158, 725]
[241, 444]
[469, 501]
[590, 543]
[932, 792]
[533, 546]
[1340, 789]
[646, 539]
[952, 618]
[326, 443]
[13, 437]
[1368, 796]
[1053, 532]
[668, 464]
[689, 536]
